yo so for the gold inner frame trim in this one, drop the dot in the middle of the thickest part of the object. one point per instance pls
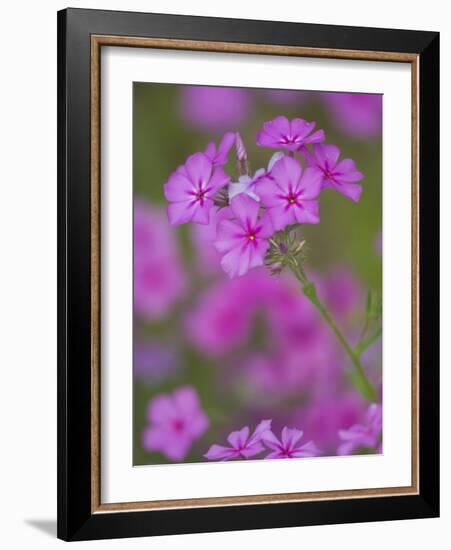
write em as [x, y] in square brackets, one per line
[97, 41]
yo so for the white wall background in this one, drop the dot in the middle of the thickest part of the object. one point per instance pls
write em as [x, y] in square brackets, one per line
[28, 272]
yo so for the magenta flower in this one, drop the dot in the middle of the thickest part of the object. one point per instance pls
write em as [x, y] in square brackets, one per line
[280, 133]
[221, 320]
[159, 278]
[175, 422]
[356, 115]
[244, 241]
[214, 108]
[241, 444]
[191, 189]
[290, 195]
[248, 185]
[218, 156]
[362, 435]
[341, 176]
[288, 446]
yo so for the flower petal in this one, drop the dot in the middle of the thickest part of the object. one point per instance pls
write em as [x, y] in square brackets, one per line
[238, 439]
[275, 158]
[307, 450]
[257, 253]
[290, 437]
[198, 167]
[161, 409]
[271, 441]
[311, 182]
[269, 192]
[307, 212]
[178, 188]
[300, 127]
[201, 212]
[229, 235]
[265, 226]
[287, 173]
[230, 263]
[217, 180]
[317, 137]
[347, 172]
[350, 190]
[326, 156]
[180, 212]
[263, 426]
[281, 216]
[252, 450]
[218, 452]
[245, 210]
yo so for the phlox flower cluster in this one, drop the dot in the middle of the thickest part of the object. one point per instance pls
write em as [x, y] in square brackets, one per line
[242, 444]
[244, 215]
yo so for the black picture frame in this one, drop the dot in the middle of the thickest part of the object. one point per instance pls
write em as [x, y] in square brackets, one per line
[76, 520]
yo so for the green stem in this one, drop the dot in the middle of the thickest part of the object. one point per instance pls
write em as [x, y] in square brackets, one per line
[359, 377]
[367, 342]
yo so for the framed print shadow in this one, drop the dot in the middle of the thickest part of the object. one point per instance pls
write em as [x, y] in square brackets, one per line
[248, 251]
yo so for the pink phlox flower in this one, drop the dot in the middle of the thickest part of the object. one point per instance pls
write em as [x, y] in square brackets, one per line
[294, 135]
[219, 156]
[244, 240]
[191, 189]
[362, 435]
[339, 175]
[248, 184]
[241, 444]
[176, 421]
[288, 446]
[290, 194]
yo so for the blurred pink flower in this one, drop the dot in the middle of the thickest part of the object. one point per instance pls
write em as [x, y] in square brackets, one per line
[176, 421]
[287, 97]
[325, 416]
[159, 278]
[191, 188]
[288, 446]
[242, 445]
[341, 176]
[362, 435]
[357, 115]
[281, 133]
[214, 108]
[221, 320]
[341, 291]
[290, 194]
[219, 156]
[243, 240]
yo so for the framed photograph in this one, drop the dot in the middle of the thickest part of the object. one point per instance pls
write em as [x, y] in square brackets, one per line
[248, 274]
